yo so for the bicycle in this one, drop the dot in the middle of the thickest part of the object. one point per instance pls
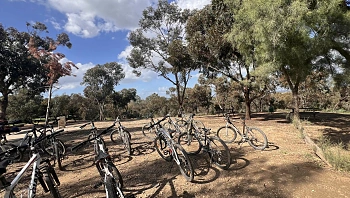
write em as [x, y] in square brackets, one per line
[173, 127]
[194, 141]
[39, 172]
[149, 130]
[123, 134]
[55, 148]
[169, 150]
[255, 137]
[47, 145]
[110, 175]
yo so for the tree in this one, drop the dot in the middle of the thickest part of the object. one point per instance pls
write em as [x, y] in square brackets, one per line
[24, 106]
[206, 32]
[158, 45]
[44, 50]
[100, 81]
[199, 96]
[292, 38]
[18, 68]
[121, 99]
[29, 61]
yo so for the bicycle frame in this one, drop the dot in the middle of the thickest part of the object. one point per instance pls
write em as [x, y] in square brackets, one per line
[35, 161]
[170, 143]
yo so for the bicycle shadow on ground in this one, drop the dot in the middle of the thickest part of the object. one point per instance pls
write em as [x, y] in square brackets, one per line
[237, 160]
[161, 185]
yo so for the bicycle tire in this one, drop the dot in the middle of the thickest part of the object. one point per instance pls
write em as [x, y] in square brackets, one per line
[52, 186]
[127, 141]
[58, 157]
[256, 138]
[190, 143]
[185, 165]
[49, 148]
[109, 187]
[114, 136]
[219, 152]
[162, 148]
[113, 169]
[149, 132]
[227, 134]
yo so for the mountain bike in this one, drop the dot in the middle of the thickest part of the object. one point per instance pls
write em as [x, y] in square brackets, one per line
[149, 130]
[110, 175]
[169, 150]
[91, 137]
[174, 128]
[46, 145]
[255, 137]
[42, 171]
[194, 141]
[123, 134]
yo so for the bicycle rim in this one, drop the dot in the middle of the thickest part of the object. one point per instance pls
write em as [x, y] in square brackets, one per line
[185, 164]
[126, 141]
[162, 148]
[219, 153]
[190, 143]
[227, 134]
[256, 138]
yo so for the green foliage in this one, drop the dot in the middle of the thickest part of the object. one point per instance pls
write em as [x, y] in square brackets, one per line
[25, 106]
[158, 45]
[100, 81]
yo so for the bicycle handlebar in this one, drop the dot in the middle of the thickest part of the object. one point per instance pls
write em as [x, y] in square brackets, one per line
[97, 136]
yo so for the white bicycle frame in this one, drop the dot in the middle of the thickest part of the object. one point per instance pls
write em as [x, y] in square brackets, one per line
[35, 161]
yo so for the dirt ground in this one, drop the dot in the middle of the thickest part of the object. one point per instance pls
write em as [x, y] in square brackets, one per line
[288, 168]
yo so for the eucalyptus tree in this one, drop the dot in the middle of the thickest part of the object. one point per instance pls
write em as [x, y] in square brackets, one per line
[100, 81]
[292, 39]
[121, 99]
[158, 44]
[206, 32]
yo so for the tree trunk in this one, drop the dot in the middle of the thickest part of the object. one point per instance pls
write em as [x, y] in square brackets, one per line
[296, 102]
[247, 103]
[48, 107]
[4, 103]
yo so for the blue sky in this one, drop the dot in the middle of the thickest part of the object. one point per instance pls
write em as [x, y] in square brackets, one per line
[98, 30]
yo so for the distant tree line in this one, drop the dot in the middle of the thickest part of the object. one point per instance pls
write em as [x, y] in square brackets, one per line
[245, 52]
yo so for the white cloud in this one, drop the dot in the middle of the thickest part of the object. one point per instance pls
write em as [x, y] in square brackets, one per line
[192, 4]
[73, 82]
[89, 18]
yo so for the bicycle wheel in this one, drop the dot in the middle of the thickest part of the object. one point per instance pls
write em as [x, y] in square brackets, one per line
[190, 143]
[219, 152]
[149, 132]
[227, 134]
[184, 163]
[49, 148]
[109, 187]
[118, 180]
[127, 141]
[162, 148]
[51, 184]
[115, 137]
[58, 157]
[256, 138]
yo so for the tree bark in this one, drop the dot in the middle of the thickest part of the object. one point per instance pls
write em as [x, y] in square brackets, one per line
[48, 106]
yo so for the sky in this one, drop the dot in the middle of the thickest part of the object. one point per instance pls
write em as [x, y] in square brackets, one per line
[98, 30]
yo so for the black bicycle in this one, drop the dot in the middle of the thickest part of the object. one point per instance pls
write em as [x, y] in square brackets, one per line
[110, 175]
[198, 139]
[169, 150]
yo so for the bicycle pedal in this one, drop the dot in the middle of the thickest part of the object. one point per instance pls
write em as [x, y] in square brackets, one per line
[99, 184]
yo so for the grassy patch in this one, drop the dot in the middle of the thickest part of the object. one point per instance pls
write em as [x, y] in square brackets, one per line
[335, 154]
